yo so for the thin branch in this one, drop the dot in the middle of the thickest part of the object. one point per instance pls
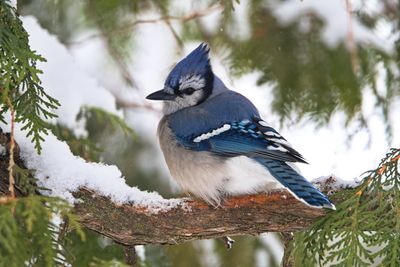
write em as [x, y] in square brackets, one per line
[350, 39]
[130, 255]
[134, 105]
[127, 104]
[287, 238]
[120, 63]
[175, 34]
[11, 162]
[130, 26]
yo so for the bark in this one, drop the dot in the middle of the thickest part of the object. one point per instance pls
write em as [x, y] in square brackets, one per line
[130, 255]
[287, 260]
[251, 214]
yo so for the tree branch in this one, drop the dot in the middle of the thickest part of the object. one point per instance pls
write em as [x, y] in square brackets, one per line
[128, 27]
[193, 219]
[251, 214]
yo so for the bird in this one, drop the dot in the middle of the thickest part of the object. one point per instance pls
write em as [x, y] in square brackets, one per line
[215, 143]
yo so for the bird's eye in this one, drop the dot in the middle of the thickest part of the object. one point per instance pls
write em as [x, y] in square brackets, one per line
[188, 91]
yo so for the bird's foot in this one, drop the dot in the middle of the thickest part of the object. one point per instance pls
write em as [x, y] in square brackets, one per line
[228, 242]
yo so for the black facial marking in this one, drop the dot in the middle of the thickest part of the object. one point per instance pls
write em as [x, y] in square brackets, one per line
[188, 91]
[209, 77]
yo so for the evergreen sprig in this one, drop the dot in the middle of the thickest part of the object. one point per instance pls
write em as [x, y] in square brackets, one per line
[103, 117]
[364, 230]
[95, 118]
[29, 233]
[20, 86]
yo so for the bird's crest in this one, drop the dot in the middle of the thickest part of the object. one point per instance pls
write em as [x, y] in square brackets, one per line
[196, 63]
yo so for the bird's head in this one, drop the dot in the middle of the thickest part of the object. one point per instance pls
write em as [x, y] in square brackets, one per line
[189, 83]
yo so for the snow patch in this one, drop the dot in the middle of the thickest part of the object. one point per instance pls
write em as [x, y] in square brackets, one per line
[64, 79]
[56, 168]
[331, 183]
[206, 248]
[63, 173]
[2, 150]
[13, 3]
[141, 252]
[274, 244]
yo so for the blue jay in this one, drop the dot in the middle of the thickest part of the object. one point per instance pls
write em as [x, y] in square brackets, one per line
[215, 143]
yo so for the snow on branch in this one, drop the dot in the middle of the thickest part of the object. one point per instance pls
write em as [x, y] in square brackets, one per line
[63, 173]
[331, 183]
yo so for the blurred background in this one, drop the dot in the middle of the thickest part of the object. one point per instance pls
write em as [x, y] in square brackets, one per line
[325, 74]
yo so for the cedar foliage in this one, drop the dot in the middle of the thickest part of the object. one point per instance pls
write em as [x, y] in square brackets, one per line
[365, 228]
[29, 233]
[20, 83]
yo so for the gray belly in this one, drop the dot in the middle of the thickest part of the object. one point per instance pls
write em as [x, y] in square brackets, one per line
[199, 173]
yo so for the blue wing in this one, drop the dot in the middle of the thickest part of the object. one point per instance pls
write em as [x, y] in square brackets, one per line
[252, 138]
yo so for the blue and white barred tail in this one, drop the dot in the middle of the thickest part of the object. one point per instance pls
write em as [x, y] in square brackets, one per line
[296, 183]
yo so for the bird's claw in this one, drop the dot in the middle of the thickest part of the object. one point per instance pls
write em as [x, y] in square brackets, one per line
[228, 242]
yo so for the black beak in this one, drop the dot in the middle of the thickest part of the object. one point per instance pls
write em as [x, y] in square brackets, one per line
[160, 95]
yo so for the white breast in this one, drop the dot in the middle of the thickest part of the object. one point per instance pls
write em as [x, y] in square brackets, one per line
[248, 176]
